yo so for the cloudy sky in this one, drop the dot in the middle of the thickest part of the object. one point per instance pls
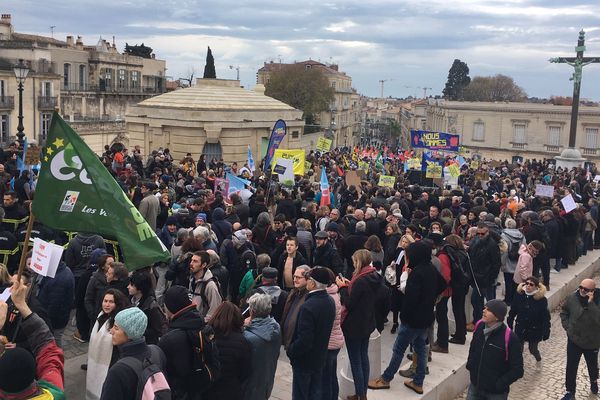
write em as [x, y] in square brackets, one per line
[410, 44]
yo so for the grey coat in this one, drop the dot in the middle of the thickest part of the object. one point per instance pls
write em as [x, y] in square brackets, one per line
[582, 323]
[511, 236]
[264, 336]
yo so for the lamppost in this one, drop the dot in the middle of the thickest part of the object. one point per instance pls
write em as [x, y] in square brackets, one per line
[237, 69]
[21, 71]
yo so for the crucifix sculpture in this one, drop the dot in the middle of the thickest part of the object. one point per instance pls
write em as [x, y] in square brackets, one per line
[577, 62]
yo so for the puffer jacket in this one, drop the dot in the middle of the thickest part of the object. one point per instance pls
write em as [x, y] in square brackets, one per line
[581, 320]
[531, 313]
[336, 340]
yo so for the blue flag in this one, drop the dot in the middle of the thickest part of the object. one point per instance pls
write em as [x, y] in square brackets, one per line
[277, 135]
[251, 165]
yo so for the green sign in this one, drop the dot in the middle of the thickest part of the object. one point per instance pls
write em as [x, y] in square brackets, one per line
[75, 192]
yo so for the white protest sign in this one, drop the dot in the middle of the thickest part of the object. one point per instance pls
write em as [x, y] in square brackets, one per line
[568, 203]
[597, 178]
[45, 257]
[544, 190]
[287, 178]
[5, 295]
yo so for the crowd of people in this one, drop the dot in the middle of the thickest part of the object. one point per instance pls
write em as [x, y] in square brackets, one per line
[270, 266]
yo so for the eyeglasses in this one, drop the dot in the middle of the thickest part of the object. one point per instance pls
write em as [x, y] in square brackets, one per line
[481, 233]
[586, 290]
[530, 283]
[299, 277]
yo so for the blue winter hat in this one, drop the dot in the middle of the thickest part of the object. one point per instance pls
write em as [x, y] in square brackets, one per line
[133, 321]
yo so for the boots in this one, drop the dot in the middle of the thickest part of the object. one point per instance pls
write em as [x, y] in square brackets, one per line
[410, 371]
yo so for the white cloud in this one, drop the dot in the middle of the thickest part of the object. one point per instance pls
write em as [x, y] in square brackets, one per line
[340, 26]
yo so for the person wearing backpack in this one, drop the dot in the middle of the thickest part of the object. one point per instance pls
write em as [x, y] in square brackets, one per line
[495, 358]
[204, 287]
[514, 238]
[140, 369]
[184, 322]
[142, 296]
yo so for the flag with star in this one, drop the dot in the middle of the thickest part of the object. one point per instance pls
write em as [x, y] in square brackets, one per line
[75, 192]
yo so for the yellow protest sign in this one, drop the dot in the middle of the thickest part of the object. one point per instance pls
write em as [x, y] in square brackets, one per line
[307, 165]
[387, 181]
[454, 170]
[414, 163]
[324, 144]
[364, 166]
[433, 171]
[474, 164]
[297, 156]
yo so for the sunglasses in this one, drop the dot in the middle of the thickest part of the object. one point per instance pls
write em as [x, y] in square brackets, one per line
[481, 233]
[530, 283]
[586, 290]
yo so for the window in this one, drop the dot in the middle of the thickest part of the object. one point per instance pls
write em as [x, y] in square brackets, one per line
[2, 89]
[591, 138]
[82, 77]
[519, 133]
[122, 75]
[135, 79]
[295, 134]
[46, 89]
[479, 131]
[67, 75]
[45, 119]
[212, 150]
[554, 135]
[108, 78]
[333, 84]
[4, 128]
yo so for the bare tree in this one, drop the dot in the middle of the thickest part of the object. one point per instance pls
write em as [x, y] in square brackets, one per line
[494, 88]
[189, 77]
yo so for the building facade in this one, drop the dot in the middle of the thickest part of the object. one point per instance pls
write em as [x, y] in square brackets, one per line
[341, 122]
[506, 130]
[216, 118]
[88, 85]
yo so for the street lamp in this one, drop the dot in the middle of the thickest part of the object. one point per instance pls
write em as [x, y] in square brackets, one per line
[21, 71]
[237, 69]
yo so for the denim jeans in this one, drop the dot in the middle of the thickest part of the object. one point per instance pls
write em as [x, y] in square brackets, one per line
[477, 301]
[358, 355]
[330, 388]
[406, 336]
[306, 385]
[478, 394]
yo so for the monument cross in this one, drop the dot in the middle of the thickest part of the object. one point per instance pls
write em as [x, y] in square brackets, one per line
[577, 62]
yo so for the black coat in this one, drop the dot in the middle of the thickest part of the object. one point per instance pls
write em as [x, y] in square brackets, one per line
[389, 248]
[177, 348]
[360, 305]
[485, 260]
[298, 260]
[56, 294]
[235, 357]
[554, 233]
[532, 315]
[487, 363]
[156, 319]
[327, 256]
[422, 288]
[355, 241]
[308, 348]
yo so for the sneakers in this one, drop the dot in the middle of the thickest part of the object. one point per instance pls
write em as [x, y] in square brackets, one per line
[379, 383]
[394, 329]
[77, 336]
[439, 349]
[409, 383]
[568, 396]
[594, 387]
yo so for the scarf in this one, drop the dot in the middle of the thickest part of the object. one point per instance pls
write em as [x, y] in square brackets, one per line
[487, 330]
[363, 272]
[532, 292]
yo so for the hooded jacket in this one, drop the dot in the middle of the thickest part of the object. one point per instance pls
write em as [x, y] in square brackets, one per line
[219, 226]
[176, 346]
[264, 336]
[531, 314]
[512, 237]
[56, 295]
[581, 320]
[80, 249]
[485, 259]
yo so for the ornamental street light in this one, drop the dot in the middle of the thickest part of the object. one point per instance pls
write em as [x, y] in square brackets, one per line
[21, 71]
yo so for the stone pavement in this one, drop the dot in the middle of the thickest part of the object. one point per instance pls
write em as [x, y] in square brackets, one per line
[546, 379]
[448, 376]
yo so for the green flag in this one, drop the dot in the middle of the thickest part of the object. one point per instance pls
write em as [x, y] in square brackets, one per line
[75, 192]
[378, 163]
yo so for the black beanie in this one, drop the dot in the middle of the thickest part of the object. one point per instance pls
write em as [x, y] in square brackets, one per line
[177, 298]
[418, 253]
[17, 370]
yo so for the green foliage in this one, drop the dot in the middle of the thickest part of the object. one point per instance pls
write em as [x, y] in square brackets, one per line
[305, 89]
[209, 68]
[140, 51]
[458, 79]
[494, 88]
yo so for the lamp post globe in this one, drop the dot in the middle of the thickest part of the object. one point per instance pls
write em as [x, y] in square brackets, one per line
[21, 70]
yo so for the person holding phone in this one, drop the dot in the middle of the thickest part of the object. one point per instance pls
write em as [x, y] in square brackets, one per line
[580, 317]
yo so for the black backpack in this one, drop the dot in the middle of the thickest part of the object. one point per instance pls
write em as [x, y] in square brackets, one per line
[202, 291]
[151, 383]
[459, 266]
[513, 250]
[206, 366]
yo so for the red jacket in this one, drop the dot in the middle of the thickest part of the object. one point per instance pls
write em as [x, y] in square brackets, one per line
[446, 271]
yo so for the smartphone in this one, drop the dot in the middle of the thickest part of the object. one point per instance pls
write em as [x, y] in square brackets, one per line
[246, 313]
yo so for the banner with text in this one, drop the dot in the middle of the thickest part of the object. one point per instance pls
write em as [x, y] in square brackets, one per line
[297, 156]
[434, 140]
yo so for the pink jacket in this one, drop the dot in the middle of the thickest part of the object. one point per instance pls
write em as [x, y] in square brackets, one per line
[524, 267]
[336, 340]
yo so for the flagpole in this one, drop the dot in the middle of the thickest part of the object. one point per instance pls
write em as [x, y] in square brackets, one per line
[24, 251]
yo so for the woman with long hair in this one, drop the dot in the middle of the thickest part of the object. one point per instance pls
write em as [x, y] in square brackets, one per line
[393, 274]
[101, 352]
[358, 317]
[234, 353]
[373, 244]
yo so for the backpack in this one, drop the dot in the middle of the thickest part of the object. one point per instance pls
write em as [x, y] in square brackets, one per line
[459, 268]
[206, 367]
[506, 338]
[513, 250]
[203, 285]
[152, 384]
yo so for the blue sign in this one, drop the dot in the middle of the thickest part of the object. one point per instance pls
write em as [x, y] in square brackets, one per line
[277, 136]
[434, 140]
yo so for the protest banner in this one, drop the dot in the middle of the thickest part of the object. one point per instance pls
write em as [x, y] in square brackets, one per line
[433, 171]
[434, 140]
[324, 144]
[297, 156]
[352, 178]
[568, 203]
[387, 181]
[75, 192]
[454, 170]
[414, 163]
[544, 191]
[364, 166]
[287, 177]
[222, 186]
[45, 257]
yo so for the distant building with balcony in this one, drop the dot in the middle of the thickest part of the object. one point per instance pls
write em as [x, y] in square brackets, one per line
[88, 85]
[506, 130]
[341, 122]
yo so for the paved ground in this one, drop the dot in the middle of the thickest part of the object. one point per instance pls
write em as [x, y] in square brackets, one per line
[546, 379]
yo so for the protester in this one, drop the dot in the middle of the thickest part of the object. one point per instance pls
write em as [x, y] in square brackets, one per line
[142, 296]
[295, 299]
[203, 286]
[329, 382]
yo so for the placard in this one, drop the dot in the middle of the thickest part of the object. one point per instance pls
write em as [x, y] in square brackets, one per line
[568, 203]
[222, 186]
[324, 144]
[414, 163]
[454, 170]
[433, 171]
[352, 178]
[474, 164]
[364, 166]
[5, 295]
[544, 191]
[287, 177]
[298, 156]
[45, 257]
[387, 181]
